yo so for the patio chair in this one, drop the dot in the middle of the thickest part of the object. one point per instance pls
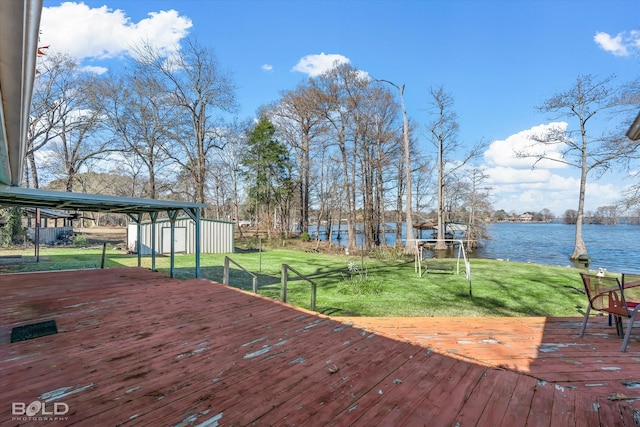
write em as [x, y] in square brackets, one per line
[631, 289]
[606, 294]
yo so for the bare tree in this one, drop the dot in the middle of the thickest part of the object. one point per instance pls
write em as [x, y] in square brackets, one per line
[410, 246]
[477, 205]
[301, 124]
[227, 165]
[607, 215]
[443, 131]
[587, 100]
[336, 96]
[137, 113]
[76, 124]
[198, 87]
[55, 74]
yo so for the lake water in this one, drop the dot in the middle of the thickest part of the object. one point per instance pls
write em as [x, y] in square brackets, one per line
[614, 247]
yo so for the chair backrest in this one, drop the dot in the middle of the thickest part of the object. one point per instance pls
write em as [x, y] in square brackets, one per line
[605, 294]
[631, 286]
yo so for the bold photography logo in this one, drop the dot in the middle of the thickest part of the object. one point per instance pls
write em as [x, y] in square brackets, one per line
[39, 410]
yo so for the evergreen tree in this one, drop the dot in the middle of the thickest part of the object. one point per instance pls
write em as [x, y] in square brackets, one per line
[12, 232]
[267, 167]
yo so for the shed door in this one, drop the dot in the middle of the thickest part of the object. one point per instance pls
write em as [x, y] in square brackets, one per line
[180, 238]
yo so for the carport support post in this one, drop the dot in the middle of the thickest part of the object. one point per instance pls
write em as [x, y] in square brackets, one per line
[172, 220]
[197, 214]
[138, 219]
[154, 217]
[194, 214]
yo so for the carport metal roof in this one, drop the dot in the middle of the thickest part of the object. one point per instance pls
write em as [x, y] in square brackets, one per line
[31, 197]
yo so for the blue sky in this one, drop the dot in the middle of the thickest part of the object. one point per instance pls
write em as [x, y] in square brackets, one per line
[499, 59]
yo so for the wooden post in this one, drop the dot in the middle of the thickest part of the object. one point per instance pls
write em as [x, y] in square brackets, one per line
[225, 276]
[283, 291]
[104, 250]
[37, 235]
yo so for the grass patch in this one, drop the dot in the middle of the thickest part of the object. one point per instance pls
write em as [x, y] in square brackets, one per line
[390, 287]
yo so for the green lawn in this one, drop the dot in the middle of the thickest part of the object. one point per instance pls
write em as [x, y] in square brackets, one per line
[385, 288]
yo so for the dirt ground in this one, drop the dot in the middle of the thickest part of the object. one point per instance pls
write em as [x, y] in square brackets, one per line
[99, 235]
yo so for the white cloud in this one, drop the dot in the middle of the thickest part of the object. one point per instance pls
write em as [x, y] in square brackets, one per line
[504, 153]
[517, 187]
[635, 39]
[94, 69]
[509, 176]
[267, 67]
[314, 65]
[620, 45]
[550, 191]
[103, 33]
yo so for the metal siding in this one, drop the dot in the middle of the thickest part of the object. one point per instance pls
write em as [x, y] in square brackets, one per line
[49, 235]
[216, 237]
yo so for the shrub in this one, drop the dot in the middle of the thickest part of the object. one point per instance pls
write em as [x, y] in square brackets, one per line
[359, 285]
[305, 237]
[80, 240]
[388, 253]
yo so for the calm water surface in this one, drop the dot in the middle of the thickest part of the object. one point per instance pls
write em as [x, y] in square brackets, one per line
[614, 247]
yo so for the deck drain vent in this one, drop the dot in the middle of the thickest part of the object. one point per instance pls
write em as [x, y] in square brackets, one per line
[35, 330]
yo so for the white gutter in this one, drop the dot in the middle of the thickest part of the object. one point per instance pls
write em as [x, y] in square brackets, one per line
[19, 27]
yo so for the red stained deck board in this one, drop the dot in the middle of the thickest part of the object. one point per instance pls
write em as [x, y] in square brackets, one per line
[441, 403]
[327, 391]
[587, 413]
[610, 415]
[520, 400]
[282, 374]
[494, 411]
[418, 375]
[564, 406]
[338, 383]
[542, 404]
[549, 349]
[478, 399]
[138, 348]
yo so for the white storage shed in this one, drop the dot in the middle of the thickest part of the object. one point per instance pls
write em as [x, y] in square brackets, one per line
[216, 237]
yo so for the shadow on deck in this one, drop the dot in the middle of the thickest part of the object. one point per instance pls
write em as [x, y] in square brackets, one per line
[137, 348]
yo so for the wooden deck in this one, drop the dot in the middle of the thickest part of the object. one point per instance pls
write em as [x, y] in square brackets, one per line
[136, 348]
[548, 349]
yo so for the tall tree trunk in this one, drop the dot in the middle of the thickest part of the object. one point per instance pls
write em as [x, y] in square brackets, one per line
[348, 189]
[305, 186]
[580, 248]
[440, 244]
[411, 245]
[34, 170]
[399, 206]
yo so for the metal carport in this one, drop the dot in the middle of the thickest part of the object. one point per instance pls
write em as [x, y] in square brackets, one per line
[135, 208]
[19, 26]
